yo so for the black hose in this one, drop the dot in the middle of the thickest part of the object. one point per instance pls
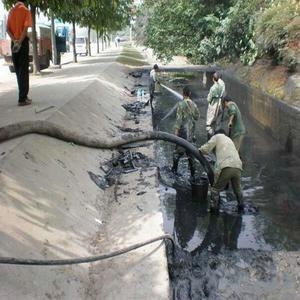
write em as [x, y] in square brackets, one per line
[73, 261]
[53, 130]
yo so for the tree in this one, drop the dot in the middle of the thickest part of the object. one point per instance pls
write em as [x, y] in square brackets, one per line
[106, 16]
[177, 27]
[102, 15]
[277, 32]
[44, 6]
[69, 11]
[206, 30]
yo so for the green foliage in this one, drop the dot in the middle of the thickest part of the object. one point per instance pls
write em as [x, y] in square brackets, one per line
[202, 30]
[206, 30]
[234, 37]
[105, 14]
[205, 53]
[177, 27]
[278, 32]
[108, 14]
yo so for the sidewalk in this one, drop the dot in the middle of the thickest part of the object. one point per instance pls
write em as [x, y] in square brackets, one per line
[51, 209]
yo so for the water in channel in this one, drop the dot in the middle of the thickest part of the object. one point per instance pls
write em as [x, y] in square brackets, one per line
[270, 183]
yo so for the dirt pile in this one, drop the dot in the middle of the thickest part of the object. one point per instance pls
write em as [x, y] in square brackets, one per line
[274, 80]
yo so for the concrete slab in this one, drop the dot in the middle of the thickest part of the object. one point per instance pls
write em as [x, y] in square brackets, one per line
[49, 206]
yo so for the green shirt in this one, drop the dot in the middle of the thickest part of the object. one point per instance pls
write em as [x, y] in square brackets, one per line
[238, 127]
[186, 117]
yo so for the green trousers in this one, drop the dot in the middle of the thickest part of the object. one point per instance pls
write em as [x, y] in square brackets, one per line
[227, 175]
[238, 141]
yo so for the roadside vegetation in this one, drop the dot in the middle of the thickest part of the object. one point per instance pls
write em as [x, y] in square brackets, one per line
[131, 57]
[206, 31]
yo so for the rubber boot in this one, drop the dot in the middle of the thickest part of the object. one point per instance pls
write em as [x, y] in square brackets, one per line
[240, 207]
[214, 202]
[175, 165]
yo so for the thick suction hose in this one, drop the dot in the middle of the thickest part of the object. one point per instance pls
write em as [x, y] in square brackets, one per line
[53, 130]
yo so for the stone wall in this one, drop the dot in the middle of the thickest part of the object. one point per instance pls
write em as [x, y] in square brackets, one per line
[278, 118]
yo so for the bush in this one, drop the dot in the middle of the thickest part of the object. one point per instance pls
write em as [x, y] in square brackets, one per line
[277, 32]
[234, 38]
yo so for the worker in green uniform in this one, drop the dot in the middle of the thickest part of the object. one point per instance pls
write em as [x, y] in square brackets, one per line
[236, 125]
[228, 168]
[186, 117]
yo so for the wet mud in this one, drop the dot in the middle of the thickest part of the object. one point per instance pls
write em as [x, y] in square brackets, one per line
[230, 255]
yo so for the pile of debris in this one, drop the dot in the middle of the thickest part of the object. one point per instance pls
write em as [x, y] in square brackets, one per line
[126, 162]
[135, 107]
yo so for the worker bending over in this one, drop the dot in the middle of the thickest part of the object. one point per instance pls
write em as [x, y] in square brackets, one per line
[228, 168]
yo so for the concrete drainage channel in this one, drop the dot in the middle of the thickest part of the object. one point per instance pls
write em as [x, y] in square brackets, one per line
[216, 257]
[230, 256]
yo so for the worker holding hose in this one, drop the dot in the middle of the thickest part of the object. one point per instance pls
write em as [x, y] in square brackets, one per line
[186, 117]
[152, 80]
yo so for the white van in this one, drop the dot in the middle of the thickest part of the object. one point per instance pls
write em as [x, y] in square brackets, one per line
[81, 45]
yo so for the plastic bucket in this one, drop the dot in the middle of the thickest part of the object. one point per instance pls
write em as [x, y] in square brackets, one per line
[200, 189]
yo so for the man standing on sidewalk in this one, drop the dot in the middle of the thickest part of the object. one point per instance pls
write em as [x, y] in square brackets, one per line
[18, 22]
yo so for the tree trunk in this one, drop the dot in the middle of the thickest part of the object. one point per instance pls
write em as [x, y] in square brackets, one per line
[110, 40]
[36, 63]
[105, 40]
[89, 41]
[98, 49]
[73, 42]
[53, 40]
[102, 42]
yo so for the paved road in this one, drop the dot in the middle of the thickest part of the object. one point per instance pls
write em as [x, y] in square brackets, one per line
[48, 88]
[8, 79]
